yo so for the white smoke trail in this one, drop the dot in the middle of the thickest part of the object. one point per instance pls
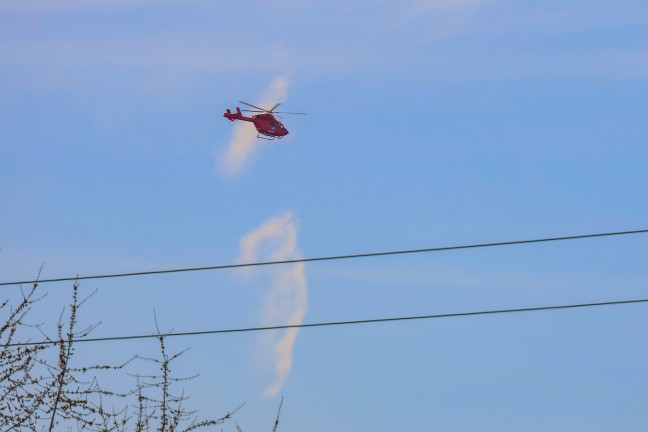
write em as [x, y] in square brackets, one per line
[286, 303]
[244, 144]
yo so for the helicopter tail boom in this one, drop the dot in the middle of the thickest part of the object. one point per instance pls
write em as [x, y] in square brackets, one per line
[238, 115]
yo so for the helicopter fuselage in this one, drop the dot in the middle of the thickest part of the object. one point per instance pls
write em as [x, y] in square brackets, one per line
[265, 124]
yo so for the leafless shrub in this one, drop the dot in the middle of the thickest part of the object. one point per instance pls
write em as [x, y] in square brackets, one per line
[22, 393]
[276, 423]
[41, 389]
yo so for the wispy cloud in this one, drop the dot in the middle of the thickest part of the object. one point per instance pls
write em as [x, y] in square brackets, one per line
[244, 143]
[440, 6]
[286, 302]
[447, 17]
[46, 6]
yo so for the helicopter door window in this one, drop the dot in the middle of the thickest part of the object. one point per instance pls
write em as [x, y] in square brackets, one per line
[272, 123]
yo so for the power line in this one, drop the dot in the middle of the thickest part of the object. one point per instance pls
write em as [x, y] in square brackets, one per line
[340, 323]
[331, 258]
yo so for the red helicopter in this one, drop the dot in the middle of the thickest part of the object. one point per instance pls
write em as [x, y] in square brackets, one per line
[267, 126]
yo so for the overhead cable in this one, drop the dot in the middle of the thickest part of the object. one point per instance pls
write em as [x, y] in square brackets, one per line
[331, 258]
[338, 323]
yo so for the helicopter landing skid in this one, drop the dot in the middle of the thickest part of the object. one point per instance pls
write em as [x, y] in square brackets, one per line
[267, 137]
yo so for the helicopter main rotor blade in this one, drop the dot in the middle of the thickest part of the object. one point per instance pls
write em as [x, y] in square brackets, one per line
[253, 106]
[276, 113]
[274, 107]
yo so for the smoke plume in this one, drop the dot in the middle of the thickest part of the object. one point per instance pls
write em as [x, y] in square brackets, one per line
[286, 302]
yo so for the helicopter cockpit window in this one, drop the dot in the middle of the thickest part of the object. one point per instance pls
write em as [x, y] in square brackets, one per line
[272, 123]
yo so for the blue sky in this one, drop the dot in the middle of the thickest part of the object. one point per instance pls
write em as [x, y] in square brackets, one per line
[429, 123]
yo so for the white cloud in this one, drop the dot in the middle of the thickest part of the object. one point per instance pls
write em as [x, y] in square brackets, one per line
[47, 6]
[286, 302]
[423, 6]
[244, 144]
[447, 17]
